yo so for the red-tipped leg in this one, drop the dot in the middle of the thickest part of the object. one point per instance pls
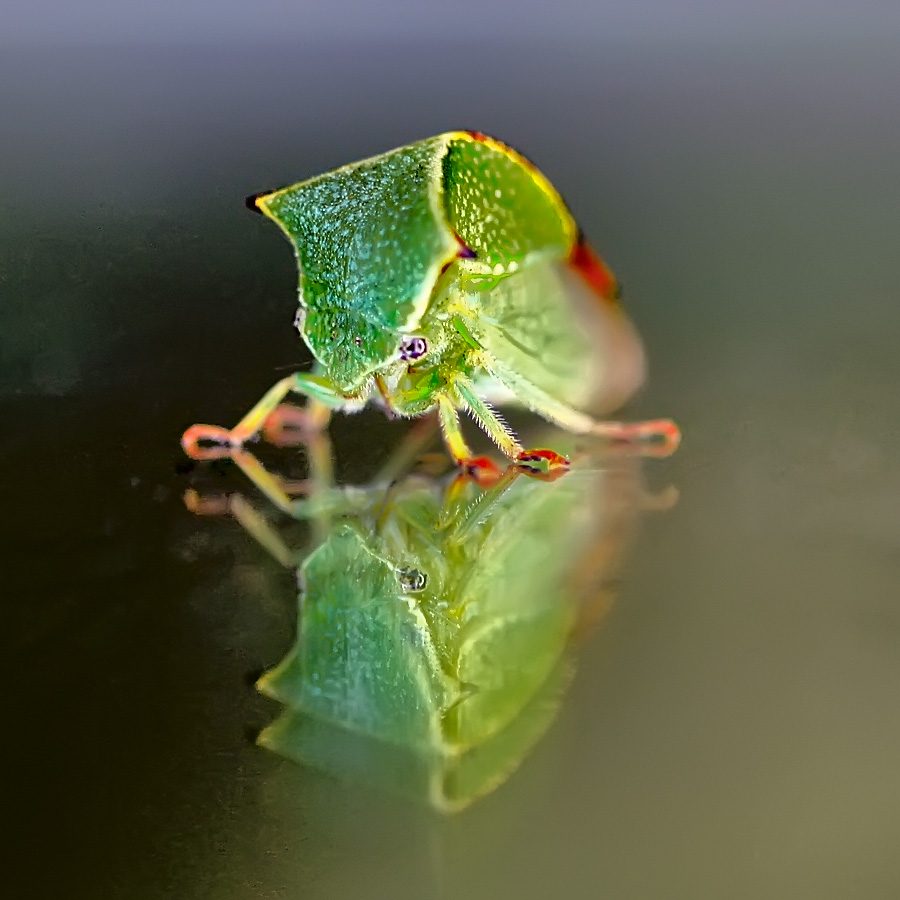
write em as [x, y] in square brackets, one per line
[657, 438]
[544, 464]
[207, 442]
[481, 470]
[285, 426]
[322, 396]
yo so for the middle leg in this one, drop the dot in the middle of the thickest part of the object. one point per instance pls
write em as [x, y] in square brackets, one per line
[542, 463]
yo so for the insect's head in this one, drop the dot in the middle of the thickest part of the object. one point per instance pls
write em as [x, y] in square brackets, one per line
[350, 349]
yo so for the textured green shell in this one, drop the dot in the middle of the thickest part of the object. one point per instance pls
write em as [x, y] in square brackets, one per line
[373, 237]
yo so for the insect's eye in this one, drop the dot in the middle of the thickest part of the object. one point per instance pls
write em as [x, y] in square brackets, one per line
[413, 348]
[300, 319]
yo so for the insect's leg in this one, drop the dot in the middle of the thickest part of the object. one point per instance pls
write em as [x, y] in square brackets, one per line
[658, 437]
[544, 463]
[323, 397]
[480, 467]
[290, 425]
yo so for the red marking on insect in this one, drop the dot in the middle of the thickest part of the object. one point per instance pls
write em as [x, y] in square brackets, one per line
[594, 271]
[482, 470]
[544, 464]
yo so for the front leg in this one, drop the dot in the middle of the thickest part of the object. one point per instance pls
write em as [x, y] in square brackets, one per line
[213, 442]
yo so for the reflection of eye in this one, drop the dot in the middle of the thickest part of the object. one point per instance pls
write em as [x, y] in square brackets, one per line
[413, 348]
[411, 580]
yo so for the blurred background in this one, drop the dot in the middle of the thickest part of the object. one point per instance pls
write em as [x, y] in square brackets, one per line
[732, 730]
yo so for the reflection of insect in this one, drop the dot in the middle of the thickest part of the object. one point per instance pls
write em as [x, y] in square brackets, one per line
[436, 618]
[448, 273]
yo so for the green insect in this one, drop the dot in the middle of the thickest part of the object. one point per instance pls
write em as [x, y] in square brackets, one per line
[449, 274]
[436, 618]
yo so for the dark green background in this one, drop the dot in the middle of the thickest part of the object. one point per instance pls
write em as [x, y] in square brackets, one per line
[733, 729]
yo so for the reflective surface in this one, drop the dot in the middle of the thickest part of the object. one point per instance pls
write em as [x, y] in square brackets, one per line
[731, 731]
[436, 616]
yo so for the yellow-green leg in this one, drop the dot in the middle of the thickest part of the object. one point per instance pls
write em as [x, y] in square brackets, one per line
[212, 441]
[659, 437]
[540, 463]
[480, 468]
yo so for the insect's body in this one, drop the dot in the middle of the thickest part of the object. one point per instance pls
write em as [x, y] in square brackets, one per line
[449, 274]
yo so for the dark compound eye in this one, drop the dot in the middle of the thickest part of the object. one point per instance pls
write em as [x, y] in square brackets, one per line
[413, 348]
[411, 580]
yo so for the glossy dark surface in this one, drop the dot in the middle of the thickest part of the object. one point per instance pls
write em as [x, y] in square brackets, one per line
[732, 730]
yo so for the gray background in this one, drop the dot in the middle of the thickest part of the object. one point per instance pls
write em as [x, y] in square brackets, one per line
[106, 20]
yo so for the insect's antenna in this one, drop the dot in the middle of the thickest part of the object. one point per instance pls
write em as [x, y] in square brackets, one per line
[293, 367]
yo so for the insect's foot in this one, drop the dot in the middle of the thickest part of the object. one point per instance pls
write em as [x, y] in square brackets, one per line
[481, 469]
[203, 442]
[544, 464]
[658, 438]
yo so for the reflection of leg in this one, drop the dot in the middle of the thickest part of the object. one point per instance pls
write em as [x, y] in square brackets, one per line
[660, 501]
[224, 441]
[278, 491]
[255, 524]
[407, 453]
[262, 531]
[321, 502]
[462, 516]
[272, 486]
